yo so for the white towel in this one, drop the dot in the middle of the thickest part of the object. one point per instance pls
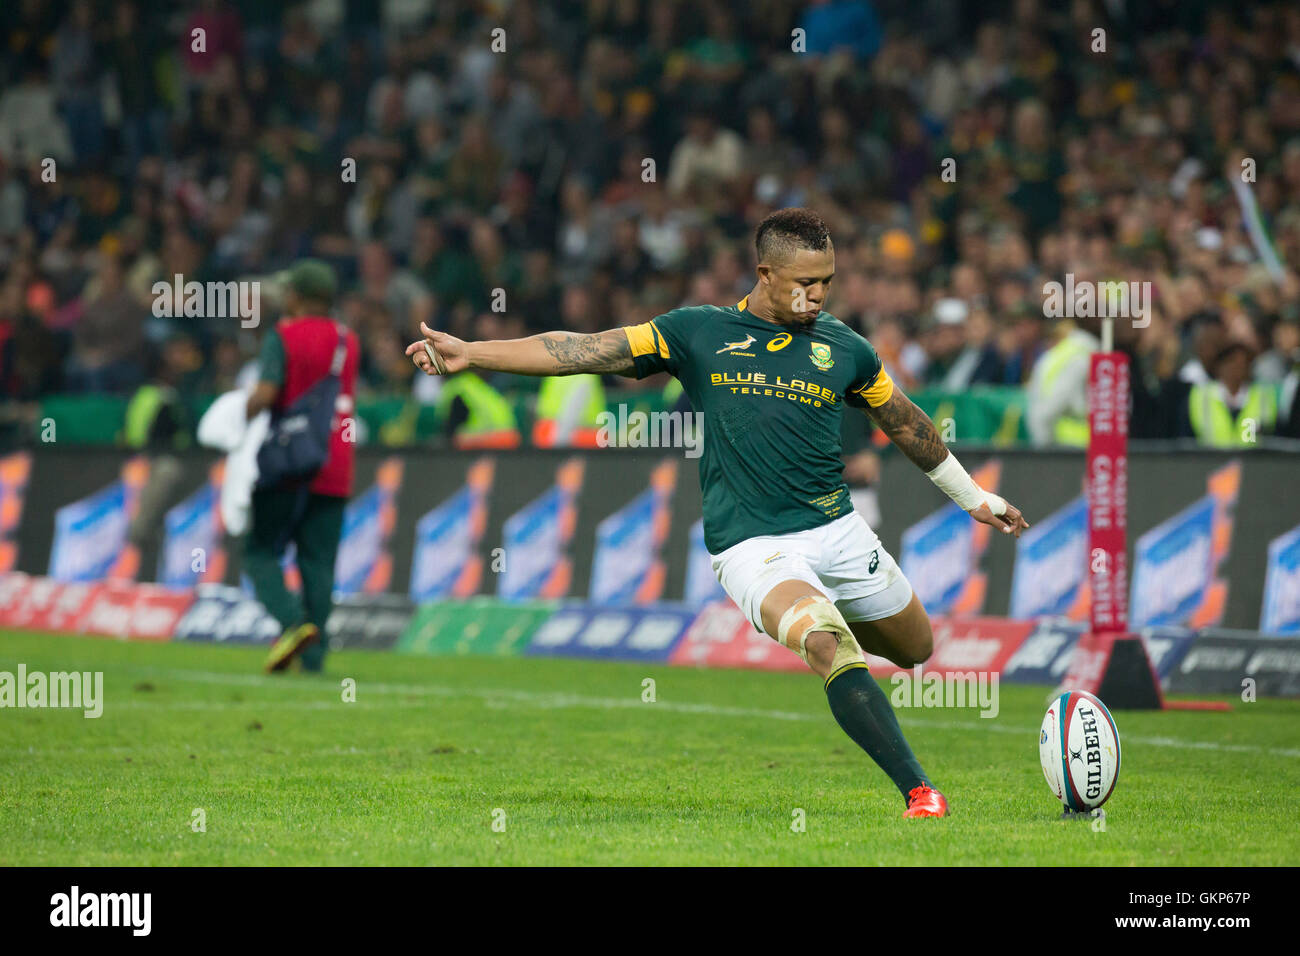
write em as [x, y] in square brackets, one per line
[223, 427]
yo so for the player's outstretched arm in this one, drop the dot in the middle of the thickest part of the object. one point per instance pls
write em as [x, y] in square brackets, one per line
[911, 430]
[550, 353]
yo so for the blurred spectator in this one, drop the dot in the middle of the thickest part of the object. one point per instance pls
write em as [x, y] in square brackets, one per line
[400, 292]
[157, 426]
[958, 348]
[108, 339]
[1231, 410]
[708, 156]
[1289, 403]
[1057, 395]
[30, 126]
[1020, 342]
[833, 25]
[1275, 364]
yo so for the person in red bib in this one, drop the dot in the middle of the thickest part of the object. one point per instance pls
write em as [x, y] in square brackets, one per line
[299, 353]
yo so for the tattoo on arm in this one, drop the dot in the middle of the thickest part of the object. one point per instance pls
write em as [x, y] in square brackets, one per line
[602, 352]
[911, 430]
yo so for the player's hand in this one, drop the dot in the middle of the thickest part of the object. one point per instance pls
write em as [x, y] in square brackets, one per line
[1009, 522]
[438, 353]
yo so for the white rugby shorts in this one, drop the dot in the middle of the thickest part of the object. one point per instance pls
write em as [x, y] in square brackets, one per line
[843, 559]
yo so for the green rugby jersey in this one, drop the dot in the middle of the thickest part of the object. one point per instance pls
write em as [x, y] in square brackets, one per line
[773, 398]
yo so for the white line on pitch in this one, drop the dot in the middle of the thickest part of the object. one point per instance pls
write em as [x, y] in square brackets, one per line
[561, 700]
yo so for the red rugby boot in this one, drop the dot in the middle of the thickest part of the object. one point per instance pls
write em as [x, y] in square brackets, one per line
[925, 801]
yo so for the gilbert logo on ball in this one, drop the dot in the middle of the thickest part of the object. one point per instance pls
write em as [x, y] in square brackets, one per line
[1078, 746]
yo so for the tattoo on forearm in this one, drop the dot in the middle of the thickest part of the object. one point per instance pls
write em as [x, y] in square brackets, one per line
[602, 352]
[911, 430]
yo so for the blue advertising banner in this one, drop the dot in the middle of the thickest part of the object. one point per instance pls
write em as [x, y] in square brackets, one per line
[1166, 646]
[191, 539]
[1281, 611]
[225, 615]
[1044, 656]
[90, 534]
[701, 583]
[536, 540]
[630, 633]
[1051, 567]
[1232, 662]
[446, 562]
[364, 564]
[628, 567]
[443, 544]
[1174, 567]
[941, 553]
[938, 555]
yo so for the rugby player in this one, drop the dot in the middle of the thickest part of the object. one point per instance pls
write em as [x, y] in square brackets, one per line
[772, 375]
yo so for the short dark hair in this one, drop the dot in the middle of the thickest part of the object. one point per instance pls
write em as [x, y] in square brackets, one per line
[786, 231]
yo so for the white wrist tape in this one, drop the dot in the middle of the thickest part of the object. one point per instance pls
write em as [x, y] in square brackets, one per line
[952, 480]
[438, 365]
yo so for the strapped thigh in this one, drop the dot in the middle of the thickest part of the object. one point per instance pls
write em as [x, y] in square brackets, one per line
[818, 613]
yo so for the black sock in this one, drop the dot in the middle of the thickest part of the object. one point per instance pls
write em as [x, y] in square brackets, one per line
[864, 713]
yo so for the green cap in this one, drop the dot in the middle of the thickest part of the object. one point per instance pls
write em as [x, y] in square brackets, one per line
[311, 279]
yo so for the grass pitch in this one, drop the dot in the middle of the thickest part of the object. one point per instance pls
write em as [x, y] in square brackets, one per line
[578, 769]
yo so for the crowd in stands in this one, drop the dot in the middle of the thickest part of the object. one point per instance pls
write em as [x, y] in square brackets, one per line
[583, 164]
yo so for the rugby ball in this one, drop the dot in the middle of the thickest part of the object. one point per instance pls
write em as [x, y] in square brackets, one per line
[1078, 746]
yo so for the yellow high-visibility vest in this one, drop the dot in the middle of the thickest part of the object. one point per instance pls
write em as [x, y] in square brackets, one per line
[144, 407]
[1068, 429]
[489, 413]
[562, 423]
[672, 391]
[1213, 422]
